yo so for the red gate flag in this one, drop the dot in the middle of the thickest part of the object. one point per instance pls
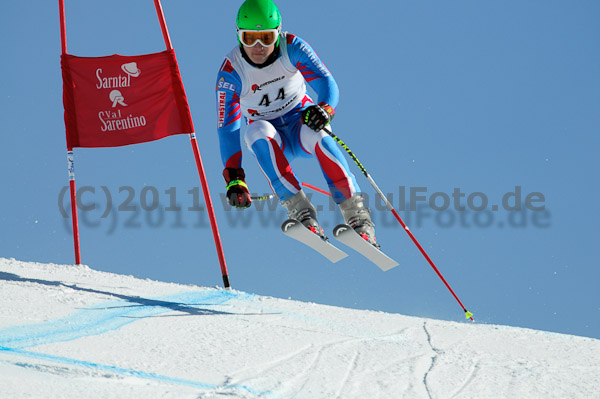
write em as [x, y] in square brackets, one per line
[120, 100]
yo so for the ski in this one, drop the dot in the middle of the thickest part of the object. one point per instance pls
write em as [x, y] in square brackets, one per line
[296, 230]
[349, 237]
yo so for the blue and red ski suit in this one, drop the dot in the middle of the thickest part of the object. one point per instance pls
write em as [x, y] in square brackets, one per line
[271, 99]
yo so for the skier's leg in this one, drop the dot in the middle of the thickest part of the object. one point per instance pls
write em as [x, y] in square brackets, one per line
[341, 181]
[334, 166]
[267, 145]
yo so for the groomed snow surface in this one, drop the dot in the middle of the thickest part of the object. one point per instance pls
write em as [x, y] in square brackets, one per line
[72, 332]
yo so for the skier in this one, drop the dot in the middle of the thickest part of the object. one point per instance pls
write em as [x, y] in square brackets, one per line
[264, 79]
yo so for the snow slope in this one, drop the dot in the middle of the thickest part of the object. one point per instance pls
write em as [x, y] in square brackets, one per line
[72, 332]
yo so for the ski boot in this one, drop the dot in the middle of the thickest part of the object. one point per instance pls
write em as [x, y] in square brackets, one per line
[358, 217]
[301, 209]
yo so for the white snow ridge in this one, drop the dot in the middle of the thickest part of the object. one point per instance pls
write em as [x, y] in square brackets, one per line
[72, 332]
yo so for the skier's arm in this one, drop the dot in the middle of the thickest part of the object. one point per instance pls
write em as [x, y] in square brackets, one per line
[304, 58]
[229, 115]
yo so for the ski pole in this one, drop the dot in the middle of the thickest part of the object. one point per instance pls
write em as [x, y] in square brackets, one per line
[262, 197]
[308, 185]
[389, 206]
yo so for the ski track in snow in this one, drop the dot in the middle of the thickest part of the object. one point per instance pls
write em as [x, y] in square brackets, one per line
[253, 347]
[352, 365]
[470, 377]
[437, 353]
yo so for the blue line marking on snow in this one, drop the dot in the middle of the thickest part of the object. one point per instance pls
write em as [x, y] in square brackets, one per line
[128, 372]
[113, 369]
[110, 316]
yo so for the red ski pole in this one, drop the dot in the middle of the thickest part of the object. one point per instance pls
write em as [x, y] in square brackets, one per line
[389, 206]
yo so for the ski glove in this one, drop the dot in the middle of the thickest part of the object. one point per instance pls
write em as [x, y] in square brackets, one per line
[237, 189]
[317, 117]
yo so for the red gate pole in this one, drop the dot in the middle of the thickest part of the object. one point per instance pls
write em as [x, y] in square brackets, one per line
[199, 165]
[211, 211]
[163, 24]
[70, 155]
[71, 159]
[63, 30]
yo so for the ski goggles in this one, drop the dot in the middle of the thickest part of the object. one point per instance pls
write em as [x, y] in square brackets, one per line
[266, 37]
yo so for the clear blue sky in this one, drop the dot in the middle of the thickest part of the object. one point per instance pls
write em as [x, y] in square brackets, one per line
[479, 96]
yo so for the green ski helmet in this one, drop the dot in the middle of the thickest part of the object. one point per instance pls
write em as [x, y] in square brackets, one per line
[258, 15]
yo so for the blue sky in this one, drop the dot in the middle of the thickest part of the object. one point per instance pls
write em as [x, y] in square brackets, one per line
[436, 96]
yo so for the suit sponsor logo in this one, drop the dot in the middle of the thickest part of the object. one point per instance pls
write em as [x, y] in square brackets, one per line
[313, 58]
[222, 84]
[221, 95]
[256, 87]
